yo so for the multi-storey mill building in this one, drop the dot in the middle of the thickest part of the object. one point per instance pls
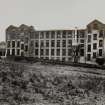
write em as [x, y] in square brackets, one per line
[57, 44]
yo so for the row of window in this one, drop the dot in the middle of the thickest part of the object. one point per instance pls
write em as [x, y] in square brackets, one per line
[64, 34]
[94, 46]
[94, 55]
[23, 47]
[58, 44]
[94, 38]
[53, 52]
[17, 51]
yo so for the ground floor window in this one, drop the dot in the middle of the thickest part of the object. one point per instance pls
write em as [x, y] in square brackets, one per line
[100, 52]
[18, 51]
[81, 52]
[94, 54]
[58, 52]
[13, 51]
[88, 57]
[36, 52]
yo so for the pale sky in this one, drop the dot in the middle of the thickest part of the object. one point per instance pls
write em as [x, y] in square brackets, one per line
[50, 14]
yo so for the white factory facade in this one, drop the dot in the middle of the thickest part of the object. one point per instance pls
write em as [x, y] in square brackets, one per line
[82, 45]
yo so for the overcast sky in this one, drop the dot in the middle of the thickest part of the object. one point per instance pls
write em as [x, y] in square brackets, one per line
[50, 14]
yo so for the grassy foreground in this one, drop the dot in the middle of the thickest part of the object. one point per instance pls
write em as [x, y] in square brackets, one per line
[48, 85]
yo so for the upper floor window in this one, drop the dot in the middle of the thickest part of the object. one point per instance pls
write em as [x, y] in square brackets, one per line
[52, 43]
[63, 43]
[47, 43]
[47, 34]
[100, 52]
[18, 43]
[13, 43]
[69, 43]
[8, 44]
[100, 43]
[64, 34]
[22, 46]
[89, 48]
[42, 43]
[89, 38]
[94, 54]
[69, 34]
[58, 34]
[42, 35]
[101, 33]
[52, 34]
[94, 46]
[58, 43]
[94, 36]
[36, 35]
[81, 41]
[36, 44]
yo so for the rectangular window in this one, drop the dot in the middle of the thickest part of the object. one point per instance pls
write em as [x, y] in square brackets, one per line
[100, 52]
[36, 43]
[94, 54]
[47, 51]
[8, 52]
[26, 48]
[58, 34]
[36, 35]
[94, 36]
[41, 52]
[88, 57]
[89, 38]
[58, 52]
[81, 34]
[8, 44]
[52, 43]
[94, 46]
[22, 53]
[81, 45]
[81, 52]
[89, 48]
[47, 34]
[42, 43]
[58, 43]
[41, 35]
[63, 43]
[100, 43]
[22, 46]
[69, 43]
[47, 43]
[63, 52]
[52, 34]
[101, 33]
[63, 59]
[69, 34]
[69, 52]
[36, 52]
[64, 34]
[13, 43]
[82, 41]
[52, 52]
[13, 51]
[18, 51]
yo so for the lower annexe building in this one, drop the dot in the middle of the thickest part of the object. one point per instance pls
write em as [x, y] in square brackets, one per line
[83, 44]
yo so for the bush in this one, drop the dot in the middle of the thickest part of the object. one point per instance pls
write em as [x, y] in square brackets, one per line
[100, 61]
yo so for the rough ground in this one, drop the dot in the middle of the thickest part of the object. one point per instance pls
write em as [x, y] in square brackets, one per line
[38, 84]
